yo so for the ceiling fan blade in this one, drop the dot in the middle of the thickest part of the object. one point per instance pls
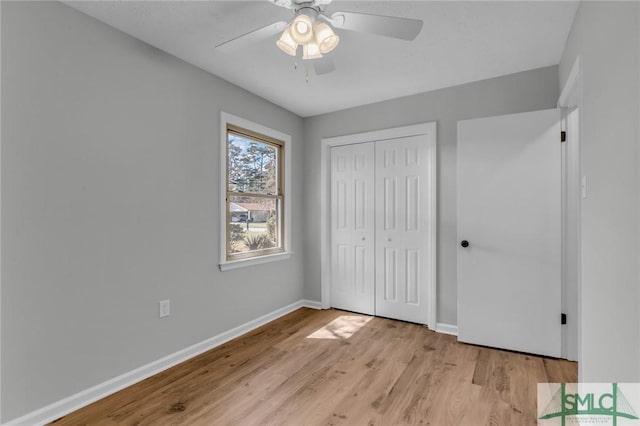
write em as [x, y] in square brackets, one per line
[388, 26]
[324, 65]
[252, 37]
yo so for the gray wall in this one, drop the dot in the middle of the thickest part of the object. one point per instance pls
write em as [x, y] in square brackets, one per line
[521, 92]
[606, 36]
[110, 190]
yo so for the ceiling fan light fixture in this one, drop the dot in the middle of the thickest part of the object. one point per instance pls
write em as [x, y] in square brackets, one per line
[286, 43]
[311, 50]
[325, 37]
[302, 29]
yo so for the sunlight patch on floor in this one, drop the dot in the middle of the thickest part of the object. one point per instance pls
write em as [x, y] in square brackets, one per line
[342, 327]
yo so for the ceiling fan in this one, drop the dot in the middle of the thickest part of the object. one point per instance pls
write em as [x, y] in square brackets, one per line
[312, 29]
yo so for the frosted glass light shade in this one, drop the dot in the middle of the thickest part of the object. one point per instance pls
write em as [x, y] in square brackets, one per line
[311, 50]
[325, 37]
[286, 43]
[302, 29]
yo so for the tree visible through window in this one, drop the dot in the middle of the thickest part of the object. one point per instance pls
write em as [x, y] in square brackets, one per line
[254, 194]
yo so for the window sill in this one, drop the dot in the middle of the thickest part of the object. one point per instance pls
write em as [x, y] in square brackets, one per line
[243, 263]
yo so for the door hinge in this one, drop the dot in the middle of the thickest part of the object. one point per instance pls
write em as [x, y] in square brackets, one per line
[563, 136]
[563, 319]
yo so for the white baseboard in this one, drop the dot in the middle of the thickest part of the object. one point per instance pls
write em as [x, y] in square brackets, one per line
[311, 304]
[447, 329]
[74, 402]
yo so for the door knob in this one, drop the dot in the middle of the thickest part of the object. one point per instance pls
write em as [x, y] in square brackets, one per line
[363, 238]
[464, 243]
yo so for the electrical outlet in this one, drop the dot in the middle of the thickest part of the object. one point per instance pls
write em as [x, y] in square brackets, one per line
[164, 308]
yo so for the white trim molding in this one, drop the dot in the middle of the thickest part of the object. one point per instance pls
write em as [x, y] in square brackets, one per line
[226, 118]
[311, 304]
[81, 399]
[243, 263]
[447, 329]
[325, 197]
[570, 101]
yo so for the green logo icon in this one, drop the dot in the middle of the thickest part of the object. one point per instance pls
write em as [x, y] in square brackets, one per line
[565, 404]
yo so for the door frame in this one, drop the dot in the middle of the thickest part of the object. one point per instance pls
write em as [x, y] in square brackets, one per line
[428, 129]
[570, 102]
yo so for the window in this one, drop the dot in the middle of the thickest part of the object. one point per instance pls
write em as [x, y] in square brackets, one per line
[254, 193]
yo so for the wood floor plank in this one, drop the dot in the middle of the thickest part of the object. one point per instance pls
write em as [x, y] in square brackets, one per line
[336, 368]
[375, 375]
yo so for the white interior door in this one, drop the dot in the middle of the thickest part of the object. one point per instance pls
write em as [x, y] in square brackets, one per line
[402, 228]
[509, 212]
[352, 227]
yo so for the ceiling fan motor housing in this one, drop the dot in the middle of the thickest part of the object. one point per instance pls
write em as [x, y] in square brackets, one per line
[296, 4]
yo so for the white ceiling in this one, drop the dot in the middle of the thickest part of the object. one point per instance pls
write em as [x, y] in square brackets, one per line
[460, 42]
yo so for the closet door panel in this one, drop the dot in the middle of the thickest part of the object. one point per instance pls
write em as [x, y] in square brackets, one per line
[352, 228]
[401, 229]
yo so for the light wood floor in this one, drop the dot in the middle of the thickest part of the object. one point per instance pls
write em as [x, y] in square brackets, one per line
[387, 372]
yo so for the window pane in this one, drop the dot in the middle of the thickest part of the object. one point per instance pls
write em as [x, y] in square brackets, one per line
[254, 224]
[252, 165]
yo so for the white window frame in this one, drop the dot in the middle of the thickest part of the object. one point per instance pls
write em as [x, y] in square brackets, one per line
[229, 119]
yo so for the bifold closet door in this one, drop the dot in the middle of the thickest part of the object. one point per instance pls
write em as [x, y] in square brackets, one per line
[402, 228]
[352, 228]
